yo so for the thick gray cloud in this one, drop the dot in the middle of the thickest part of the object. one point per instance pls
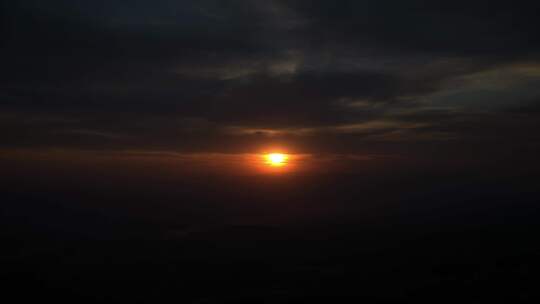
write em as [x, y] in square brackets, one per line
[320, 75]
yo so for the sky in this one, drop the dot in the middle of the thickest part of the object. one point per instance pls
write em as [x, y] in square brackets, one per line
[417, 79]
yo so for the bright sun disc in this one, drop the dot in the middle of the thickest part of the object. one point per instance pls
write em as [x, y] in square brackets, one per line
[276, 159]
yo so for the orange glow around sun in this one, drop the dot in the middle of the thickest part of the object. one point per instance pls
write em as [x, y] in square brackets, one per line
[276, 159]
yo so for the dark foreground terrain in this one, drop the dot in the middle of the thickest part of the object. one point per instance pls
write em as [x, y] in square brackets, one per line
[329, 239]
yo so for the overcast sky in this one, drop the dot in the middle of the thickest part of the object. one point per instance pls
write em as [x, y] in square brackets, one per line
[379, 77]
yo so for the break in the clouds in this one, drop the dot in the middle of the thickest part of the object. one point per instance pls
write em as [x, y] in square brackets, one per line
[226, 76]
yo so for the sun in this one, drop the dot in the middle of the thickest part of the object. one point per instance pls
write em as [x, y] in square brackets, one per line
[276, 159]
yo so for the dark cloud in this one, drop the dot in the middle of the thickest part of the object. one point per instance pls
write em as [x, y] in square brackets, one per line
[457, 28]
[320, 75]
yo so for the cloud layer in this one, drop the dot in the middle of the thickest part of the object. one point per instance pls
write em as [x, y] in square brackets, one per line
[230, 76]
